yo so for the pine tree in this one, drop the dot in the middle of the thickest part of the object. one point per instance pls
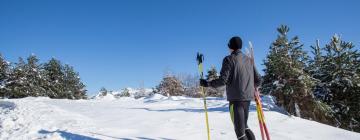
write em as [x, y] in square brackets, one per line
[315, 69]
[4, 76]
[286, 79]
[74, 88]
[26, 79]
[16, 82]
[54, 75]
[341, 80]
[212, 74]
[34, 80]
[103, 91]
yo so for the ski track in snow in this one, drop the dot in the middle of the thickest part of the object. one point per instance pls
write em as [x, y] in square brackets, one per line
[152, 118]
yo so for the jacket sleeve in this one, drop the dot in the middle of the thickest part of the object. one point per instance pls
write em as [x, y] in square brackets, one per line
[257, 77]
[224, 74]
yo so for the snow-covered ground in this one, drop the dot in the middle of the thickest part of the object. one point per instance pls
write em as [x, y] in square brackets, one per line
[134, 93]
[153, 118]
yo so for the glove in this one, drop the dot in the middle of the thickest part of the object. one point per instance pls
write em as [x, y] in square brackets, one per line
[204, 83]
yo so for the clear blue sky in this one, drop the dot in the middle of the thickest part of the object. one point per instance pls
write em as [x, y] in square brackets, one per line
[119, 43]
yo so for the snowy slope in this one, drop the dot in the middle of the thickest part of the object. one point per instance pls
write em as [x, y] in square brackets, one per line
[152, 118]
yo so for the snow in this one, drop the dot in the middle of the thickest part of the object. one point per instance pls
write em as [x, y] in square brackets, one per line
[133, 93]
[276, 83]
[107, 97]
[156, 97]
[156, 117]
[302, 77]
[297, 110]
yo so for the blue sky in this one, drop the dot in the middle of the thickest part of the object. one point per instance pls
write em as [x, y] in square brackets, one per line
[117, 44]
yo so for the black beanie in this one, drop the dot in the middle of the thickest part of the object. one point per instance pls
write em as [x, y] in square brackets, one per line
[235, 43]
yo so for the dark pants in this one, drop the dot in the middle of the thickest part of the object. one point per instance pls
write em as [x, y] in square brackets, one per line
[239, 111]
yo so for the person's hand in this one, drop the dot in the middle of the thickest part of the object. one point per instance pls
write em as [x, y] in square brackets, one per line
[204, 83]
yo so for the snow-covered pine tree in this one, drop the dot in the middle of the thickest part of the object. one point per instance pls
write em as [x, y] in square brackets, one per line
[286, 79]
[170, 86]
[54, 75]
[315, 69]
[212, 74]
[34, 78]
[103, 91]
[4, 75]
[17, 81]
[74, 88]
[341, 79]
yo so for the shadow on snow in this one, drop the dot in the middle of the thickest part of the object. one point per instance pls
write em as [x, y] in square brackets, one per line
[68, 135]
[222, 109]
[137, 138]
[7, 105]
[72, 136]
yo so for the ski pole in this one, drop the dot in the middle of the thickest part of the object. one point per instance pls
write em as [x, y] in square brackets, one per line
[200, 59]
[259, 109]
[259, 118]
[257, 94]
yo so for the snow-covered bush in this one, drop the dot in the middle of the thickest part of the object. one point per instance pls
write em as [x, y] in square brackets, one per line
[125, 93]
[170, 86]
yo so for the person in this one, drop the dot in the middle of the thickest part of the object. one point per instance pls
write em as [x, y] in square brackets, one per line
[239, 75]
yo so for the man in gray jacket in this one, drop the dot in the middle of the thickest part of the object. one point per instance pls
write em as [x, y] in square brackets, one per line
[240, 76]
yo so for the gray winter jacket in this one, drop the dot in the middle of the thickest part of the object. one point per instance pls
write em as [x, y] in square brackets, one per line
[239, 75]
